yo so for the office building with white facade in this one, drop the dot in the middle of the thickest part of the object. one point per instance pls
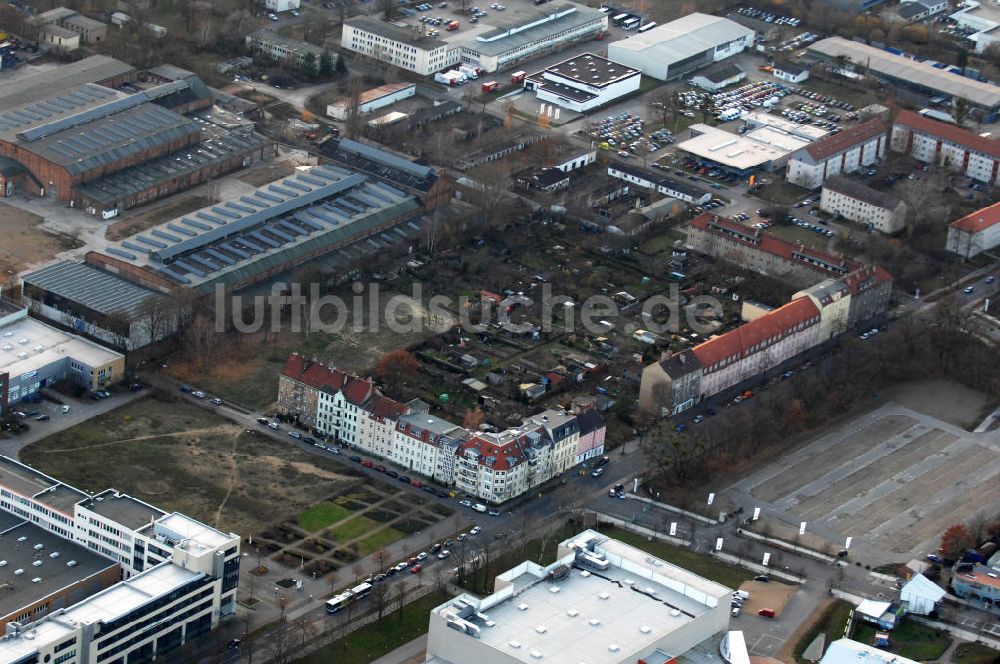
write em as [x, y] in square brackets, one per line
[601, 602]
[180, 575]
[583, 82]
[680, 47]
[857, 202]
[498, 42]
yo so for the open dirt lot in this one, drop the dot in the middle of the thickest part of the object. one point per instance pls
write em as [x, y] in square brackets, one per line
[892, 479]
[767, 595]
[25, 242]
[200, 464]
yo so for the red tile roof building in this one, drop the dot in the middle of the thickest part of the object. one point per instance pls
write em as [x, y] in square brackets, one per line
[845, 152]
[816, 314]
[976, 232]
[935, 142]
[493, 466]
[761, 252]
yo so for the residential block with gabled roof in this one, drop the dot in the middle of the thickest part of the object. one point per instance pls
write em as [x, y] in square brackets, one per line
[846, 295]
[855, 201]
[975, 233]
[845, 152]
[935, 142]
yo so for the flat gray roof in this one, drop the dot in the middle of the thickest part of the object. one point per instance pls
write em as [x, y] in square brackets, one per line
[686, 37]
[22, 479]
[21, 590]
[93, 287]
[56, 81]
[903, 69]
[395, 32]
[84, 23]
[510, 38]
[123, 509]
[592, 70]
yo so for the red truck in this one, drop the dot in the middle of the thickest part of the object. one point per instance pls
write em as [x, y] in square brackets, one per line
[518, 77]
[490, 86]
[451, 25]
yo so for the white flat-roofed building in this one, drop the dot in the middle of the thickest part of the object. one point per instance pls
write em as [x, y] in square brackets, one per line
[135, 620]
[34, 355]
[761, 149]
[181, 574]
[682, 46]
[278, 6]
[583, 82]
[370, 100]
[848, 651]
[632, 607]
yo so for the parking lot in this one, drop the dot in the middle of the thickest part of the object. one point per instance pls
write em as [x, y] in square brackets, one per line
[893, 480]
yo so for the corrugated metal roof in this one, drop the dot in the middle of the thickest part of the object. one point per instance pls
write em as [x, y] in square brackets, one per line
[56, 81]
[686, 37]
[92, 287]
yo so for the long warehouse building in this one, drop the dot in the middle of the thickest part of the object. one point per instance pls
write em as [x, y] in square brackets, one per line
[923, 77]
[74, 135]
[679, 47]
[282, 224]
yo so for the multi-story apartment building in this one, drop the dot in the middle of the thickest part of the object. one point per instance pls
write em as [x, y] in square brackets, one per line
[425, 444]
[832, 297]
[351, 410]
[975, 233]
[282, 49]
[762, 252]
[406, 48]
[339, 409]
[934, 142]
[815, 315]
[180, 575]
[845, 152]
[854, 201]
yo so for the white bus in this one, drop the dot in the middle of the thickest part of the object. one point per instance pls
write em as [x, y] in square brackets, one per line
[648, 26]
[617, 20]
[631, 24]
[361, 591]
[338, 602]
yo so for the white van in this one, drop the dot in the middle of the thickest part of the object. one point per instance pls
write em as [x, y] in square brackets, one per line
[479, 507]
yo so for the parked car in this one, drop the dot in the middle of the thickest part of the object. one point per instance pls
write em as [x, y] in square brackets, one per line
[767, 613]
[465, 503]
[494, 512]
[416, 569]
[215, 401]
[42, 418]
[444, 554]
[356, 459]
[597, 472]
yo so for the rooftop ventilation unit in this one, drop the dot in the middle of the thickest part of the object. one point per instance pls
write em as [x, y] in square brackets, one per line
[594, 622]
[645, 629]
[515, 644]
[522, 607]
[536, 654]
[674, 613]
[614, 647]
[554, 590]
[572, 613]
[604, 595]
[541, 629]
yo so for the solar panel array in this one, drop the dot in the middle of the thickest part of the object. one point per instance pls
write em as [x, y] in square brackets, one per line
[57, 105]
[308, 205]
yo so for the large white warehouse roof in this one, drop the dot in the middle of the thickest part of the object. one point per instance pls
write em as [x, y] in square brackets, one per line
[684, 38]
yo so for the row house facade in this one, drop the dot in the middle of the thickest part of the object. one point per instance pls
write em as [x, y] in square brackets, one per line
[816, 314]
[492, 466]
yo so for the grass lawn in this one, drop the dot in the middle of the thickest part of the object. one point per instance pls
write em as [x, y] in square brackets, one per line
[377, 540]
[377, 639]
[800, 235]
[322, 515]
[353, 529]
[662, 243]
[831, 624]
[706, 566]
[908, 640]
[975, 653]
[180, 457]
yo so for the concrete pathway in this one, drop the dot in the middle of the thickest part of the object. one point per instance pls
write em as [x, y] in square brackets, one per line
[408, 653]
